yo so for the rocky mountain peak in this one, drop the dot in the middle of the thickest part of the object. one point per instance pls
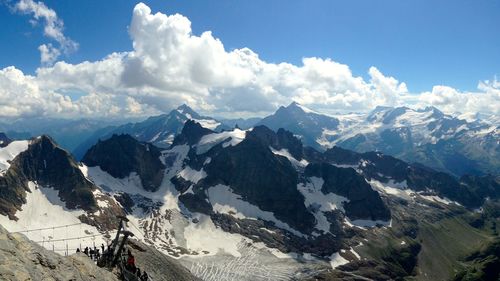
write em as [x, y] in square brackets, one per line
[294, 105]
[45, 163]
[301, 121]
[122, 154]
[4, 140]
[436, 113]
[282, 139]
[186, 110]
[191, 133]
[297, 108]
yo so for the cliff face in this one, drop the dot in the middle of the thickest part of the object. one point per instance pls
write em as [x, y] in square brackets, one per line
[122, 154]
[22, 259]
[48, 165]
[364, 202]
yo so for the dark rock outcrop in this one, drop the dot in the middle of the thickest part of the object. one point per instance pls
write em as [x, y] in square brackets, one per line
[122, 154]
[48, 165]
[196, 203]
[261, 178]
[282, 139]
[364, 202]
[4, 140]
[191, 133]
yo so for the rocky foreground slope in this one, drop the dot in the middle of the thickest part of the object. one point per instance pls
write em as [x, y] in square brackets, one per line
[22, 259]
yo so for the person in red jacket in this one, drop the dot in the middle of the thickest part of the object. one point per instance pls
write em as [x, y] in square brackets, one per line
[130, 261]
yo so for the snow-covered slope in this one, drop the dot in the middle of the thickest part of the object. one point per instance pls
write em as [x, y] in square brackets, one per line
[417, 126]
[428, 136]
[9, 152]
[44, 210]
[46, 197]
[456, 144]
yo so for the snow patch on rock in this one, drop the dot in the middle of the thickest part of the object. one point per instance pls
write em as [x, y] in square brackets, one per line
[211, 140]
[337, 260]
[284, 152]
[398, 189]
[225, 201]
[319, 202]
[192, 175]
[10, 152]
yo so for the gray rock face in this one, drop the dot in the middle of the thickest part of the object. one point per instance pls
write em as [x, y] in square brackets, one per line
[22, 259]
[157, 265]
[47, 164]
[122, 154]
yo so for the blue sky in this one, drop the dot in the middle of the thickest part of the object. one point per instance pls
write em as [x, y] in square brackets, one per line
[423, 43]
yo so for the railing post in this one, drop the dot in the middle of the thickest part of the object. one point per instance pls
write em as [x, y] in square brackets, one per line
[120, 226]
[120, 248]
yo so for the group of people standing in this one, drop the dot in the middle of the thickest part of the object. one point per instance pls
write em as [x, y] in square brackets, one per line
[92, 253]
[95, 254]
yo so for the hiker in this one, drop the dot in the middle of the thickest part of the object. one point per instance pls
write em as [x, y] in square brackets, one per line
[102, 249]
[138, 273]
[130, 261]
[97, 255]
[144, 276]
[78, 250]
[109, 253]
[91, 253]
[86, 251]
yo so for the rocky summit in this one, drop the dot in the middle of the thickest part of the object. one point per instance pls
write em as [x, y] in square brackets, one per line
[121, 155]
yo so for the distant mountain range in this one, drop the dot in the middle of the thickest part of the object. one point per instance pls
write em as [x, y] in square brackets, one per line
[454, 144]
[427, 136]
[160, 130]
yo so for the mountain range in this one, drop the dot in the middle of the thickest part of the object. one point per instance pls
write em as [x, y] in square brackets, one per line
[427, 136]
[454, 144]
[258, 204]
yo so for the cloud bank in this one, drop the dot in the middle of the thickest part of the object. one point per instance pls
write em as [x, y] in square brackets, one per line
[170, 65]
